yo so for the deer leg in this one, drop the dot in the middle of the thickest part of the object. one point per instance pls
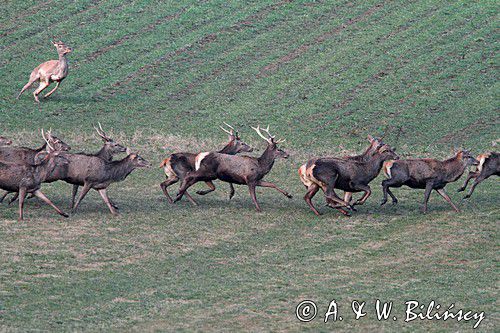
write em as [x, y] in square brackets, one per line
[311, 192]
[104, 194]
[427, 194]
[231, 191]
[42, 196]
[471, 175]
[166, 184]
[86, 189]
[211, 188]
[186, 183]
[53, 90]
[251, 188]
[22, 195]
[190, 198]
[368, 192]
[4, 196]
[41, 87]
[272, 185]
[348, 199]
[447, 198]
[27, 85]
[478, 180]
[14, 198]
[73, 195]
[385, 188]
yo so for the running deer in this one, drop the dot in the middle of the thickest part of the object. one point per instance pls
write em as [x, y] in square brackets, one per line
[237, 169]
[363, 157]
[50, 71]
[348, 175]
[4, 141]
[426, 173]
[94, 173]
[177, 165]
[26, 178]
[27, 155]
[489, 165]
[106, 153]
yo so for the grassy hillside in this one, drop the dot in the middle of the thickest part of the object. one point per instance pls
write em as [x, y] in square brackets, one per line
[161, 76]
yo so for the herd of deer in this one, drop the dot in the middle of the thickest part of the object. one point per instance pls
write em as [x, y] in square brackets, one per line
[22, 170]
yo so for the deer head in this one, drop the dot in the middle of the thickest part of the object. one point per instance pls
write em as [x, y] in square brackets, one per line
[386, 152]
[62, 48]
[235, 140]
[110, 144]
[54, 143]
[272, 143]
[467, 158]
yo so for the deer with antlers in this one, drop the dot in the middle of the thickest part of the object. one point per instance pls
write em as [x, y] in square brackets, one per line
[234, 169]
[106, 153]
[177, 165]
[50, 71]
[23, 177]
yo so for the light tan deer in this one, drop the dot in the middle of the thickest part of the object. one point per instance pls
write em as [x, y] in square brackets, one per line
[50, 71]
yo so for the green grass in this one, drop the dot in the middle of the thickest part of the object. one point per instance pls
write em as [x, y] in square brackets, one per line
[324, 74]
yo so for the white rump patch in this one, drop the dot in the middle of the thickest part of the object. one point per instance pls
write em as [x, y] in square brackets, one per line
[198, 159]
[481, 162]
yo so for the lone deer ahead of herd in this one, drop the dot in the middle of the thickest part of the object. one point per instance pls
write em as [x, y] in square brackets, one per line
[489, 165]
[50, 71]
[237, 169]
[426, 173]
[348, 175]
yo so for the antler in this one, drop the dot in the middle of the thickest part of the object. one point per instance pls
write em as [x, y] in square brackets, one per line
[47, 141]
[231, 132]
[101, 132]
[270, 139]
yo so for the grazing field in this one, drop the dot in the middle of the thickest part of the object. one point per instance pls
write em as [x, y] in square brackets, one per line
[161, 77]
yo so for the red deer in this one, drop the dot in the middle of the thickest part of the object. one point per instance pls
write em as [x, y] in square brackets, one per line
[238, 169]
[26, 178]
[179, 164]
[27, 155]
[426, 173]
[50, 71]
[363, 157]
[4, 141]
[348, 175]
[489, 165]
[106, 153]
[94, 173]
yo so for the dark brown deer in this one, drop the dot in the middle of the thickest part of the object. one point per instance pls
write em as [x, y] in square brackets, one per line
[177, 165]
[426, 173]
[27, 155]
[363, 157]
[94, 173]
[4, 141]
[237, 169]
[106, 153]
[348, 175]
[26, 178]
[489, 165]
[50, 71]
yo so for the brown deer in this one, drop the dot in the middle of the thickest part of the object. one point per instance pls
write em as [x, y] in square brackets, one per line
[177, 165]
[50, 71]
[489, 165]
[106, 153]
[348, 175]
[94, 173]
[237, 169]
[363, 157]
[426, 173]
[4, 141]
[27, 155]
[26, 178]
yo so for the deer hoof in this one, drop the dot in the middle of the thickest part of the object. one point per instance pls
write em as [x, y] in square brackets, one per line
[289, 196]
[467, 196]
[461, 189]
[64, 214]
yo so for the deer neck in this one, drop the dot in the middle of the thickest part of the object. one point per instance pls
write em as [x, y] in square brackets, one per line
[105, 154]
[45, 169]
[63, 64]
[119, 170]
[266, 160]
[375, 164]
[454, 167]
[229, 149]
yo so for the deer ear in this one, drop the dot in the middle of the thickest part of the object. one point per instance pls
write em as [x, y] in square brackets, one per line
[129, 151]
